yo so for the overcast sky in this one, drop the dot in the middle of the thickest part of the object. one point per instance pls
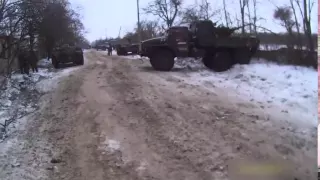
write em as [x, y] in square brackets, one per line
[103, 18]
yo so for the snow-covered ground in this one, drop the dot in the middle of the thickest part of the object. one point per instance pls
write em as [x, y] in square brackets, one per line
[21, 93]
[271, 47]
[114, 52]
[290, 92]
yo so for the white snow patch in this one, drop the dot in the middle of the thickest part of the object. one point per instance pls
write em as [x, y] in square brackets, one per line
[272, 47]
[19, 96]
[44, 63]
[142, 166]
[113, 145]
[54, 79]
[110, 145]
[289, 91]
[99, 62]
[133, 57]
[5, 147]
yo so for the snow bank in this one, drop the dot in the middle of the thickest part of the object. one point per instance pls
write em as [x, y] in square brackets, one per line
[114, 53]
[270, 47]
[53, 79]
[21, 93]
[44, 63]
[287, 90]
[133, 57]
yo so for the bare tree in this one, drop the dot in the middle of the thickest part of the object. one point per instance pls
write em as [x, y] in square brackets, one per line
[226, 16]
[190, 14]
[59, 25]
[255, 18]
[197, 12]
[249, 16]
[166, 10]
[148, 29]
[305, 11]
[284, 15]
[206, 11]
[296, 24]
[243, 4]
[10, 26]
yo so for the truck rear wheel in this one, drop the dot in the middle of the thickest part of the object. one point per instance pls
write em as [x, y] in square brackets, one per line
[219, 62]
[242, 56]
[81, 62]
[121, 52]
[78, 59]
[162, 60]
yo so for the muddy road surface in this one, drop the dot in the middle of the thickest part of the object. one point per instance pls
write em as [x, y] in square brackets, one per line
[117, 119]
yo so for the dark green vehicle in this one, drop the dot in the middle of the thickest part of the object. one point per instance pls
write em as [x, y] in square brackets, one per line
[67, 54]
[123, 50]
[219, 47]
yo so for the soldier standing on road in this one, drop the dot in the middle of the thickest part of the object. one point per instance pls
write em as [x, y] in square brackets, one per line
[33, 60]
[23, 61]
[109, 50]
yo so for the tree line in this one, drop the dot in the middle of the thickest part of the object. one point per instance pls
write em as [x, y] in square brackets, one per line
[38, 25]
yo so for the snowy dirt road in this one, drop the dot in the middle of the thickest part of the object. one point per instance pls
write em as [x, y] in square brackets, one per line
[115, 118]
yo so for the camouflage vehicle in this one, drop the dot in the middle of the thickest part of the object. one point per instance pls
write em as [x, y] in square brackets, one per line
[219, 48]
[67, 54]
[101, 47]
[123, 50]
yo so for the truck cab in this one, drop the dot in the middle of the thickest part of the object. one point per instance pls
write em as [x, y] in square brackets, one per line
[176, 39]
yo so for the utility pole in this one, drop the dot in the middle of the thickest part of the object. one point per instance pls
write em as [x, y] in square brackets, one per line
[139, 31]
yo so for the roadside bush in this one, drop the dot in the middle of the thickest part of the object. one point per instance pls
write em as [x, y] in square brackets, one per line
[290, 56]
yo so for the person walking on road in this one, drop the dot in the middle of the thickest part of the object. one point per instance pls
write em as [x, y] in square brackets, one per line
[109, 50]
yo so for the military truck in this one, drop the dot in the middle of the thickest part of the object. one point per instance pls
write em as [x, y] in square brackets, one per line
[101, 47]
[123, 50]
[67, 54]
[218, 47]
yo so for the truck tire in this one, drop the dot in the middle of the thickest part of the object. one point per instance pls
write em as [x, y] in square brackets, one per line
[55, 62]
[78, 59]
[122, 52]
[218, 62]
[162, 60]
[119, 52]
[81, 62]
[242, 56]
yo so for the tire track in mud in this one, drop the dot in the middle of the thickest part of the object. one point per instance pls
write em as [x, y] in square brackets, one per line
[126, 88]
[182, 154]
[231, 134]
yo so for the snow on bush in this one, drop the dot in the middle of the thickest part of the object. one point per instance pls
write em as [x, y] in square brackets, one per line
[20, 94]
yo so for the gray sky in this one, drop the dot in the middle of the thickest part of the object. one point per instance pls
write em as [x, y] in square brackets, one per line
[103, 18]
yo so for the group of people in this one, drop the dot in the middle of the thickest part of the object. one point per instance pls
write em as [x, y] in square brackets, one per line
[27, 60]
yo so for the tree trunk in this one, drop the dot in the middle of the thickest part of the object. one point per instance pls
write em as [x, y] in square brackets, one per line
[249, 16]
[297, 25]
[225, 13]
[242, 8]
[307, 23]
[255, 16]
